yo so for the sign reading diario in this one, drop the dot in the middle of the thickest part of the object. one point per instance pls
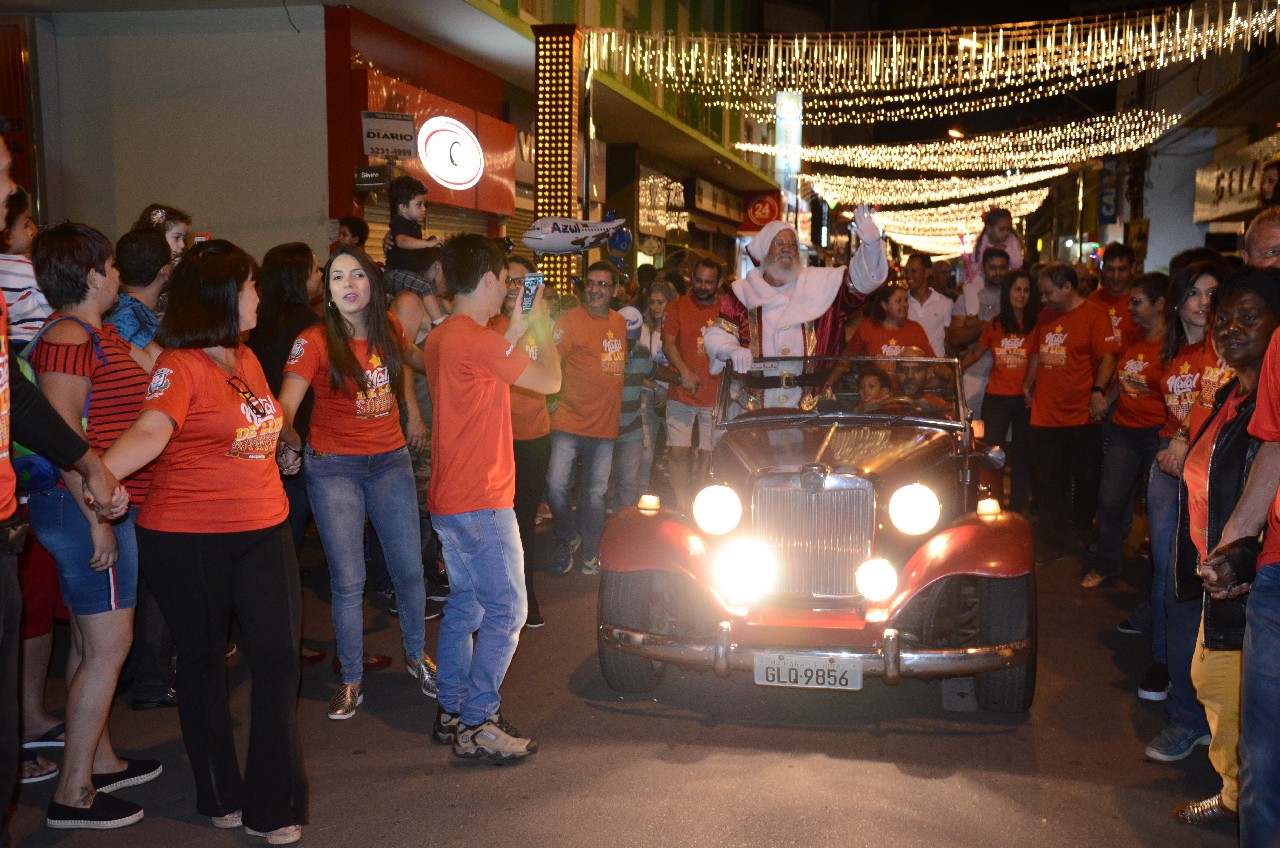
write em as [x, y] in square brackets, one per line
[388, 134]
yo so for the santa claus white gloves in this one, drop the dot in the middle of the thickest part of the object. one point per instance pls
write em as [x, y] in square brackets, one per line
[741, 359]
[865, 223]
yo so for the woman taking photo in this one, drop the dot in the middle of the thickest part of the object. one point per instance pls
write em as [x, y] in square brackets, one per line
[214, 542]
[1136, 423]
[87, 372]
[1003, 404]
[357, 463]
[1173, 626]
[1246, 313]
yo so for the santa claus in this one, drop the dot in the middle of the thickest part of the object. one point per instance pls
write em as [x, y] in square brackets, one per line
[781, 308]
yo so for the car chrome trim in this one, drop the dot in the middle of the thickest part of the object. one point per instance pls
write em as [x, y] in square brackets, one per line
[889, 662]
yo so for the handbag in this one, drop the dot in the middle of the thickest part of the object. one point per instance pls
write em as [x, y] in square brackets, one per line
[35, 473]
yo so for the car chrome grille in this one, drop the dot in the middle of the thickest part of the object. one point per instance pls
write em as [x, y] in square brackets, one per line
[821, 536]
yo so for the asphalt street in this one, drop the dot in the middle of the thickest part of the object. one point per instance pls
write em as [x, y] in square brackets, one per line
[707, 762]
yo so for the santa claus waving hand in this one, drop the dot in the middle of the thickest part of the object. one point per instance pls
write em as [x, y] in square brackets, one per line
[781, 308]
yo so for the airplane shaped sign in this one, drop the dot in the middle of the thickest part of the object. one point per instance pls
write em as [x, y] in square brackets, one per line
[568, 235]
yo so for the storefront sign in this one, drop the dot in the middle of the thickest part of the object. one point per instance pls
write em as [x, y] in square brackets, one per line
[371, 177]
[759, 209]
[450, 152]
[477, 172]
[387, 134]
[1229, 187]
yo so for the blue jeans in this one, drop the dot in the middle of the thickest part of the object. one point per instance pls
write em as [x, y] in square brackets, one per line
[64, 531]
[596, 456]
[343, 489]
[485, 563]
[1175, 624]
[1128, 456]
[624, 485]
[1260, 714]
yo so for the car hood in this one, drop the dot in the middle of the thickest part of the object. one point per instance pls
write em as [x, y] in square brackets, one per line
[867, 450]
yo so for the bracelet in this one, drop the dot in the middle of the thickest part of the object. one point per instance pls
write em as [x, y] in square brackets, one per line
[285, 444]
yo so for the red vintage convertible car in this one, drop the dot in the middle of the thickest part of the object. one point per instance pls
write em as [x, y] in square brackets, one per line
[848, 531]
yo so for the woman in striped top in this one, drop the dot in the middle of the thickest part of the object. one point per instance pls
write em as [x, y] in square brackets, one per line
[90, 377]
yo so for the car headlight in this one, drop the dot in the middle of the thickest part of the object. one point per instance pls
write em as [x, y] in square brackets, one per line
[717, 509]
[876, 580]
[745, 570]
[915, 509]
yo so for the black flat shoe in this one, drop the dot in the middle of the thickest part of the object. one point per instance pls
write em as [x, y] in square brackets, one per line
[166, 701]
[135, 772]
[104, 813]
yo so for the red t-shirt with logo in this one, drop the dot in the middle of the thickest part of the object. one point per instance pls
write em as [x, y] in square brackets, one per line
[349, 420]
[593, 355]
[1265, 425]
[529, 416]
[1138, 373]
[1121, 318]
[686, 319]
[1195, 471]
[1180, 385]
[875, 339]
[1214, 374]
[1069, 346]
[469, 369]
[218, 472]
[1009, 352]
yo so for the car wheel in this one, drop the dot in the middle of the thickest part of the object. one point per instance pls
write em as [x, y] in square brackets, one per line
[635, 600]
[1007, 613]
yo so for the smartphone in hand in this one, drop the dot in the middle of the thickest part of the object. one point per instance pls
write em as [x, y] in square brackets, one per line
[532, 282]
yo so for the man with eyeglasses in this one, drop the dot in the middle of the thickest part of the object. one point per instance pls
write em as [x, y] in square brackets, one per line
[781, 308]
[592, 341]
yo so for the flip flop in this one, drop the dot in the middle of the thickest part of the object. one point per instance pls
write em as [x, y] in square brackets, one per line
[49, 739]
[33, 757]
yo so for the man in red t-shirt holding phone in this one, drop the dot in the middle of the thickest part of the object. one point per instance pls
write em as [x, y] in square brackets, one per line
[470, 369]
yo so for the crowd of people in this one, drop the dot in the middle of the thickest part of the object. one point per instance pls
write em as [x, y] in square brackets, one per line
[180, 412]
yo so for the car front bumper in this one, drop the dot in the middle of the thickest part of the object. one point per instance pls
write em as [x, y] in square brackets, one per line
[889, 662]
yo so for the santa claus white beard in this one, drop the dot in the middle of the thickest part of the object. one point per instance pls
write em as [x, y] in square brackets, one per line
[779, 273]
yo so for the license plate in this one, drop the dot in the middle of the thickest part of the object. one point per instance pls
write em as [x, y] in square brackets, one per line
[805, 672]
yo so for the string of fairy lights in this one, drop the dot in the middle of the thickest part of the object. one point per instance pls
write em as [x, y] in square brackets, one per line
[946, 229]
[836, 189]
[1028, 149]
[872, 76]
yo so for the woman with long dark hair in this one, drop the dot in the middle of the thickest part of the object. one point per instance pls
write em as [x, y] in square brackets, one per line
[213, 541]
[1004, 408]
[290, 273]
[1188, 351]
[357, 462]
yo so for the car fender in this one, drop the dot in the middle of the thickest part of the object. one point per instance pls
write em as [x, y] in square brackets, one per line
[983, 546]
[649, 540]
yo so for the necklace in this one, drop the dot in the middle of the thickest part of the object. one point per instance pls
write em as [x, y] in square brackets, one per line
[228, 366]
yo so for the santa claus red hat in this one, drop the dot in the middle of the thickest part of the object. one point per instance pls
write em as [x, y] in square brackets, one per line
[758, 247]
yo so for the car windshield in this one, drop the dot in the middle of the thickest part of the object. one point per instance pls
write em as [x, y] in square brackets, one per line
[918, 387]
